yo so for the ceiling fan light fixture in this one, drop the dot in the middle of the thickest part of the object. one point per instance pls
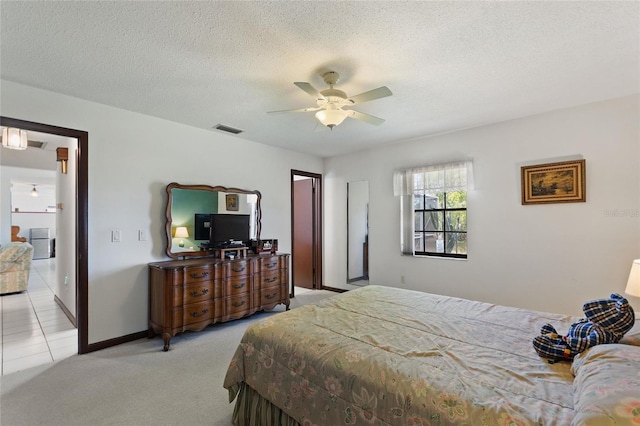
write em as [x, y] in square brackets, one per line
[13, 138]
[331, 117]
[334, 95]
[331, 101]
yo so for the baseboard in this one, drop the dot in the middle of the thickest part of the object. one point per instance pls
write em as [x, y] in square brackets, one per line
[92, 347]
[337, 290]
[66, 311]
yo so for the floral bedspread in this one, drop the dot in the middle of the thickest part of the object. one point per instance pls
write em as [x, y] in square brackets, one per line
[385, 356]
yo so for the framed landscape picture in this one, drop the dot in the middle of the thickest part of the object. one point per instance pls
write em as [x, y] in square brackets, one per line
[554, 183]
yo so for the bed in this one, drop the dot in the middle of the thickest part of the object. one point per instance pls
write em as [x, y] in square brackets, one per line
[385, 356]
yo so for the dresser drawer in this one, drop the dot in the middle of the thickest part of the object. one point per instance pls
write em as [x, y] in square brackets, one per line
[271, 263]
[198, 292]
[197, 312]
[271, 295]
[238, 304]
[268, 279]
[198, 274]
[237, 286]
[238, 268]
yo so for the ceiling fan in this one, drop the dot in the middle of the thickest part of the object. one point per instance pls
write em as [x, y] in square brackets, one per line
[331, 102]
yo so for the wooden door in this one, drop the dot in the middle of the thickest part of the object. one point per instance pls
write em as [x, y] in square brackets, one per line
[303, 242]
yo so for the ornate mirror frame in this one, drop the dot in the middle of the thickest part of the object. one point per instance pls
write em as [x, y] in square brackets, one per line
[214, 190]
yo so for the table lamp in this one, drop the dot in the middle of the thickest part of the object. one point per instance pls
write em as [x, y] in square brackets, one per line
[181, 232]
[633, 284]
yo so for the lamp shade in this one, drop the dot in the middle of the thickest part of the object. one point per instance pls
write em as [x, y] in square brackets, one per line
[633, 284]
[182, 232]
[13, 138]
[331, 117]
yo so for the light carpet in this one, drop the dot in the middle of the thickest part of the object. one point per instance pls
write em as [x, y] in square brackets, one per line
[135, 383]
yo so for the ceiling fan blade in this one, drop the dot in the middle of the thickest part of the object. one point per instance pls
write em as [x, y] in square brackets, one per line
[309, 89]
[295, 110]
[378, 93]
[376, 121]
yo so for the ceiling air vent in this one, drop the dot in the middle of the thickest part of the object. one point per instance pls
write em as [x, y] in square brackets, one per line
[227, 129]
[36, 144]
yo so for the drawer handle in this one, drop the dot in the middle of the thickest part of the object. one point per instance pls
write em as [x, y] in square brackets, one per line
[271, 265]
[237, 285]
[240, 269]
[271, 296]
[195, 275]
[202, 293]
[270, 280]
[196, 314]
[238, 304]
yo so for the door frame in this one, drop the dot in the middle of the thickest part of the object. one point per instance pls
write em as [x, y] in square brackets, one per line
[82, 219]
[316, 227]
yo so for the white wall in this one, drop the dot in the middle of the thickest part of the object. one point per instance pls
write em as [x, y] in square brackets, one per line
[66, 184]
[544, 257]
[23, 201]
[132, 157]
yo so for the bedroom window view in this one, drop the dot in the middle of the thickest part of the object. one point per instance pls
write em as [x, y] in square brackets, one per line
[440, 223]
[433, 209]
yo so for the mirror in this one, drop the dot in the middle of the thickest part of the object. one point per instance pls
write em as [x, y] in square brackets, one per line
[188, 208]
[357, 231]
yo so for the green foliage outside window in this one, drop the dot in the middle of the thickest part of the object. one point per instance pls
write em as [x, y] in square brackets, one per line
[441, 223]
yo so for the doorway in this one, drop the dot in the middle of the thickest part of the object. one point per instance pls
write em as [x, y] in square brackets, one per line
[81, 216]
[306, 230]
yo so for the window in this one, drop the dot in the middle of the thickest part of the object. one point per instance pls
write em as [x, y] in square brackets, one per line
[440, 223]
[434, 209]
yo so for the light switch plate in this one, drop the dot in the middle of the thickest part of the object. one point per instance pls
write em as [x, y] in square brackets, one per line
[115, 235]
[142, 235]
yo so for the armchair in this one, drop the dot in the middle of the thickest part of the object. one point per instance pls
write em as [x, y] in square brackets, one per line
[15, 264]
[15, 230]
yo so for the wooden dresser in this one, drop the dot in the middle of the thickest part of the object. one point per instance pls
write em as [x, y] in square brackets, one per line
[191, 294]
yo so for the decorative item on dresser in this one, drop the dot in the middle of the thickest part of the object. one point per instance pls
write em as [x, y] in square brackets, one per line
[264, 246]
[194, 293]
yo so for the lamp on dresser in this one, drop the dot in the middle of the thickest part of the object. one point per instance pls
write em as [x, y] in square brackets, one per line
[181, 232]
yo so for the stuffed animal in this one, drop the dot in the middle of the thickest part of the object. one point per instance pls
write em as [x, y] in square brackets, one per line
[607, 320]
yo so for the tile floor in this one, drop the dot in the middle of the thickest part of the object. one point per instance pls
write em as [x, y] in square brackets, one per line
[35, 330]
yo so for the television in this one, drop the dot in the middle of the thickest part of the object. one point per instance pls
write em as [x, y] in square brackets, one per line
[229, 227]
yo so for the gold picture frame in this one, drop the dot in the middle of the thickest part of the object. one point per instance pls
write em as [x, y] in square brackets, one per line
[562, 182]
[232, 202]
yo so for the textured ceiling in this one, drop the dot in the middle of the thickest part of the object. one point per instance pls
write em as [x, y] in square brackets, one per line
[450, 65]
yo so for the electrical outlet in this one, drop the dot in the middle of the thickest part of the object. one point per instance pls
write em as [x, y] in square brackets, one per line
[115, 235]
[142, 235]
[66, 280]
[401, 279]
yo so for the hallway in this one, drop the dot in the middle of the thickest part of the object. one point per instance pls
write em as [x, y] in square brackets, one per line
[35, 330]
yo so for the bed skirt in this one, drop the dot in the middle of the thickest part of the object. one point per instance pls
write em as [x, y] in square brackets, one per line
[252, 409]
